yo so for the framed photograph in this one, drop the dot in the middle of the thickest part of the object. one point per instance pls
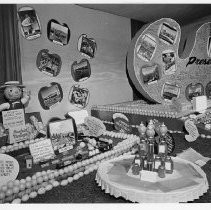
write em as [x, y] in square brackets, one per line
[208, 90]
[87, 46]
[49, 64]
[146, 48]
[79, 96]
[150, 74]
[29, 22]
[62, 135]
[170, 91]
[81, 71]
[58, 33]
[50, 96]
[169, 64]
[167, 34]
[193, 90]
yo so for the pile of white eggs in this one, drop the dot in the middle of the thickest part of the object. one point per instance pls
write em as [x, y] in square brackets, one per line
[41, 182]
[17, 146]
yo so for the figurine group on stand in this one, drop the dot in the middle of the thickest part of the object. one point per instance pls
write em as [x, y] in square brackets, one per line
[151, 153]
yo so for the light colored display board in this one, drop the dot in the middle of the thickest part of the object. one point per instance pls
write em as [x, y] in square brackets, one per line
[159, 73]
[108, 76]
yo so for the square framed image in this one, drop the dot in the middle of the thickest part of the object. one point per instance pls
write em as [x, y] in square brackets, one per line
[58, 33]
[79, 96]
[62, 134]
[167, 34]
[169, 64]
[170, 91]
[30, 25]
[146, 48]
[150, 74]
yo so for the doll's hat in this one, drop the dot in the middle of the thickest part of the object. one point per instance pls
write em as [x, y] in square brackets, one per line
[11, 83]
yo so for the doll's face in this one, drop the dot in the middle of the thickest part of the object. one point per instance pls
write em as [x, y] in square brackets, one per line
[12, 93]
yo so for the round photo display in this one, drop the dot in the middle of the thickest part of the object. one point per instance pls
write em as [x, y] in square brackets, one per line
[156, 69]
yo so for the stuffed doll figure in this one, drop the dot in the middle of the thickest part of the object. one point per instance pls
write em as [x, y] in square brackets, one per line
[15, 97]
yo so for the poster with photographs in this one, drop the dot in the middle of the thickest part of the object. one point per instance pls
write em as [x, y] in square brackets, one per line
[79, 96]
[81, 71]
[49, 64]
[146, 48]
[87, 46]
[58, 33]
[194, 90]
[150, 74]
[167, 34]
[170, 91]
[29, 23]
[62, 135]
[169, 64]
[50, 96]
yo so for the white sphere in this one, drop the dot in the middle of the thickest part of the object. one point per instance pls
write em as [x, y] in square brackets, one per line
[48, 187]
[70, 179]
[76, 177]
[25, 197]
[55, 183]
[41, 191]
[33, 195]
[64, 182]
[61, 172]
[16, 201]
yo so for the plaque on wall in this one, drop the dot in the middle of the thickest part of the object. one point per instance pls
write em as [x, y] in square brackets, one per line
[29, 23]
[155, 46]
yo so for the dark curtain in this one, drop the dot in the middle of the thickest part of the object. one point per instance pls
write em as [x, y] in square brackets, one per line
[10, 61]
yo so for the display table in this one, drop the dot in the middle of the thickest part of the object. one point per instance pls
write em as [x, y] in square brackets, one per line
[187, 182]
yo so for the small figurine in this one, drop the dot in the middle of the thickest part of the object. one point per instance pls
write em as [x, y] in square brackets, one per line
[15, 96]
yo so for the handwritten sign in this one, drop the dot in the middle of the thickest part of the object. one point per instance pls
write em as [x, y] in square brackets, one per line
[13, 118]
[192, 130]
[96, 126]
[9, 169]
[41, 150]
[18, 134]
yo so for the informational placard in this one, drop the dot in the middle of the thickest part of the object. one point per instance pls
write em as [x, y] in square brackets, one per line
[19, 133]
[13, 118]
[96, 126]
[192, 130]
[41, 150]
[9, 169]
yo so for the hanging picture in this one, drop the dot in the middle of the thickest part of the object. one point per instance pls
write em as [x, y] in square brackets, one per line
[147, 47]
[58, 33]
[208, 90]
[209, 42]
[167, 34]
[79, 96]
[47, 63]
[170, 91]
[193, 90]
[169, 64]
[50, 96]
[29, 23]
[87, 46]
[150, 74]
[81, 71]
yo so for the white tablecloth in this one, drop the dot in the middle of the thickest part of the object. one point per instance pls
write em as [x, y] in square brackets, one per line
[187, 182]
